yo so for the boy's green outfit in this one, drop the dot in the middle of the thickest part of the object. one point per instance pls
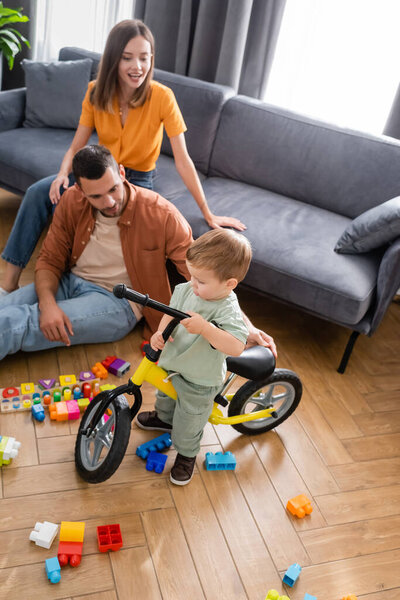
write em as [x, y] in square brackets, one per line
[201, 368]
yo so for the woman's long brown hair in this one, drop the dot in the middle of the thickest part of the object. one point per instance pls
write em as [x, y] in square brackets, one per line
[106, 86]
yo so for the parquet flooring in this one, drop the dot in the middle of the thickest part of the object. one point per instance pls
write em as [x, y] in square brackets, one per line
[227, 535]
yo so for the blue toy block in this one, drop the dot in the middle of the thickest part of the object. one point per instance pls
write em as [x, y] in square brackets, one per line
[309, 597]
[53, 569]
[292, 574]
[220, 461]
[38, 412]
[156, 462]
[159, 443]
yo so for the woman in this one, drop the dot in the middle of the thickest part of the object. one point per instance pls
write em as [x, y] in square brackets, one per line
[129, 111]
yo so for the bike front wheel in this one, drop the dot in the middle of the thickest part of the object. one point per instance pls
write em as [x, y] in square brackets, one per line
[98, 456]
[281, 391]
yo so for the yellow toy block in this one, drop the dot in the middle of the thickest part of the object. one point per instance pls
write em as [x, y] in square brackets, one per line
[83, 403]
[58, 411]
[67, 380]
[107, 386]
[27, 388]
[72, 531]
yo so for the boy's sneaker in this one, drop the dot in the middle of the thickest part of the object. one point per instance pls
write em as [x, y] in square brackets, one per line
[182, 471]
[150, 420]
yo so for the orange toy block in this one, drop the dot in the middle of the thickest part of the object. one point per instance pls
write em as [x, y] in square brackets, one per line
[72, 531]
[69, 552]
[351, 597]
[100, 371]
[299, 506]
[58, 411]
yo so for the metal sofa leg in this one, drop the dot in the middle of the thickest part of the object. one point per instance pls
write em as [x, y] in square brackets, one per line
[347, 351]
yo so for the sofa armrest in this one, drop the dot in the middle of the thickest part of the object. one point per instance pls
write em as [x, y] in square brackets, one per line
[12, 108]
[387, 284]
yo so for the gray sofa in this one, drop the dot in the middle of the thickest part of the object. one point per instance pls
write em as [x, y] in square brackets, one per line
[296, 182]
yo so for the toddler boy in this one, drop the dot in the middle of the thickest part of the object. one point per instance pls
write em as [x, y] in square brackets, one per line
[217, 262]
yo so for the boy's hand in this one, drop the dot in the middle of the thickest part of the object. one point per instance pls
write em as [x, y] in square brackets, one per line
[195, 324]
[157, 341]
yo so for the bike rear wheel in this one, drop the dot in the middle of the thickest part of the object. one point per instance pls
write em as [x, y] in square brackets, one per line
[281, 391]
[98, 456]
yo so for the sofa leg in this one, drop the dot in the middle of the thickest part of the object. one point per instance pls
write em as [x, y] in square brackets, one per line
[347, 352]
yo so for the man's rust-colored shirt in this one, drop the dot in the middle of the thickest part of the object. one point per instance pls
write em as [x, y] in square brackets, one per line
[151, 229]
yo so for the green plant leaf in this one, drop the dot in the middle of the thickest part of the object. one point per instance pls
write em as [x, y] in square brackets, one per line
[13, 19]
[18, 34]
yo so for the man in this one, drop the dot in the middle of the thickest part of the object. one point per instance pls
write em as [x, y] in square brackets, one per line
[105, 231]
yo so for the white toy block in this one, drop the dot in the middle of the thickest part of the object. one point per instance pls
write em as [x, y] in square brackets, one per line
[11, 449]
[44, 533]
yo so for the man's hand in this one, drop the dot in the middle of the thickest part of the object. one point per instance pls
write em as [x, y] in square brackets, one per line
[257, 337]
[54, 324]
[195, 323]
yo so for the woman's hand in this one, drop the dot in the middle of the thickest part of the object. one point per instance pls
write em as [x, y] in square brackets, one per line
[60, 180]
[258, 337]
[216, 222]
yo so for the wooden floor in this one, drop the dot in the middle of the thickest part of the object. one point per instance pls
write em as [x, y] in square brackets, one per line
[227, 535]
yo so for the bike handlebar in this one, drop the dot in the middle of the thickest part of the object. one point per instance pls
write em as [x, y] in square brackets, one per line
[122, 291]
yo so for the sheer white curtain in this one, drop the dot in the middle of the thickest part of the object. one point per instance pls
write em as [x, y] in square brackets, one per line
[82, 23]
[338, 60]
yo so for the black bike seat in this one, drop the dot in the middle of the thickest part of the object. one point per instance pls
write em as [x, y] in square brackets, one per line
[254, 363]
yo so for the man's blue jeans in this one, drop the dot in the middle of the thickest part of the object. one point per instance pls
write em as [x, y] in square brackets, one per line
[35, 211]
[96, 316]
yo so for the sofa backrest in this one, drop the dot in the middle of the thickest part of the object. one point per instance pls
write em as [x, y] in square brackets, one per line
[338, 169]
[200, 102]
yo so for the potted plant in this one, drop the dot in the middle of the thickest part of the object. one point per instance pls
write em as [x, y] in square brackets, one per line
[11, 39]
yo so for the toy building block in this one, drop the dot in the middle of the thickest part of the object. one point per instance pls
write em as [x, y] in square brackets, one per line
[220, 461]
[83, 403]
[44, 533]
[46, 384]
[291, 575]
[100, 371]
[156, 462]
[53, 570]
[10, 392]
[38, 412]
[67, 394]
[350, 597]
[309, 597]
[70, 552]
[109, 537]
[66, 380]
[107, 361]
[299, 506]
[73, 410]
[107, 386]
[86, 390]
[86, 376]
[154, 445]
[72, 531]
[8, 449]
[27, 388]
[58, 411]
[274, 595]
[119, 367]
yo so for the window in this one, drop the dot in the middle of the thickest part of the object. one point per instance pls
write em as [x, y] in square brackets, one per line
[338, 60]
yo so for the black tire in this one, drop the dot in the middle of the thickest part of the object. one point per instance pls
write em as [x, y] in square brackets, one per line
[257, 395]
[99, 456]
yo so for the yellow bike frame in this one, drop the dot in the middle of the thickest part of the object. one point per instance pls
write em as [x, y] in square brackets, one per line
[156, 376]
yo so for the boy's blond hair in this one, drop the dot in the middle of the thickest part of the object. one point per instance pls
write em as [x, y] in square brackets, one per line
[223, 251]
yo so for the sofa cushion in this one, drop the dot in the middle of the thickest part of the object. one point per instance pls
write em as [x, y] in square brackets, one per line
[373, 228]
[168, 182]
[293, 256]
[29, 154]
[72, 53]
[47, 103]
[318, 163]
[201, 104]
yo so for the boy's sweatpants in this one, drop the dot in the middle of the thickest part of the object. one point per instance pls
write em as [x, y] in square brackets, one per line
[188, 414]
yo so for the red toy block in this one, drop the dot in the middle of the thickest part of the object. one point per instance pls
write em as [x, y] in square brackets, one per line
[299, 506]
[70, 552]
[86, 390]
[142, 345]
[109, 537]
[107, 361]
[100, 371]
[10, 392]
